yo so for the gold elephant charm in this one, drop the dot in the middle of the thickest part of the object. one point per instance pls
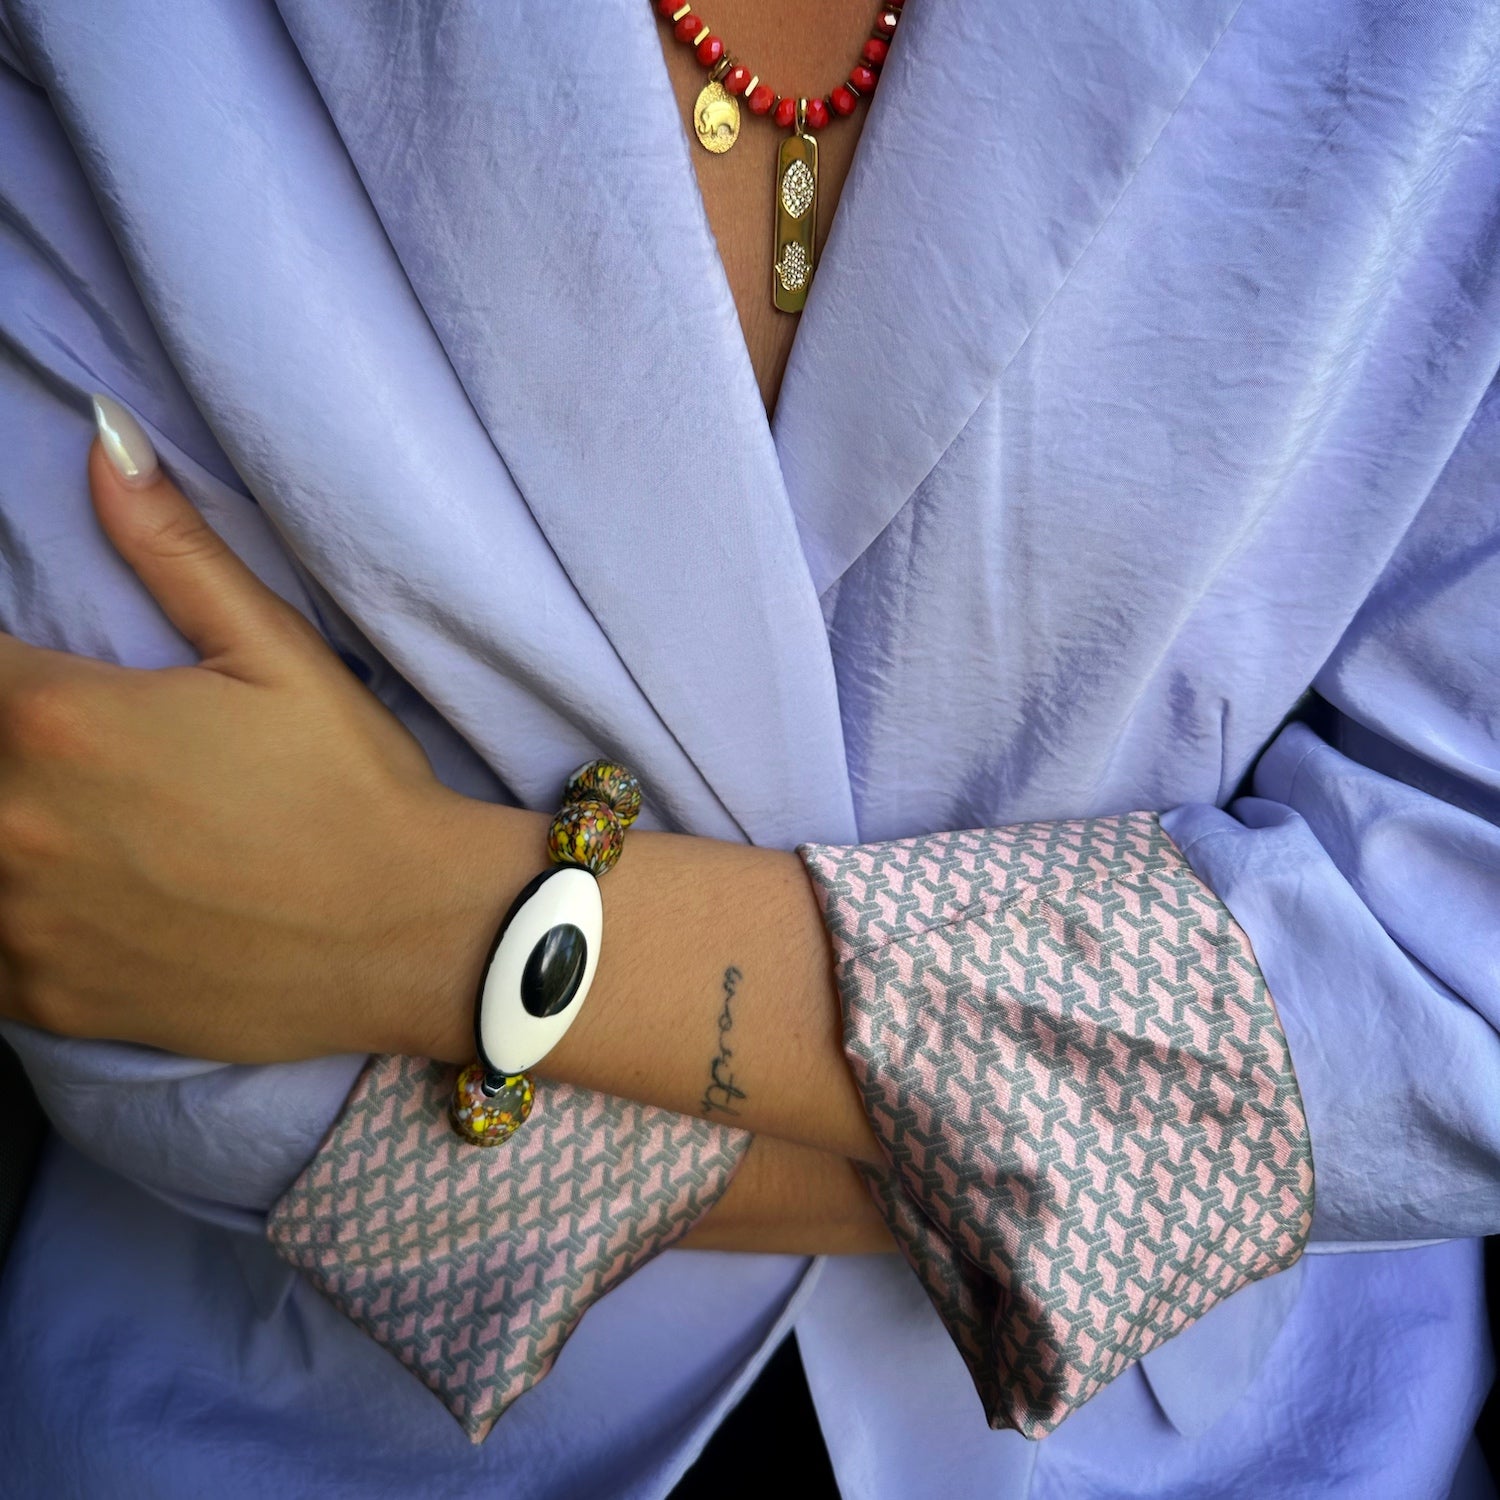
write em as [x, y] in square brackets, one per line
[716, 118]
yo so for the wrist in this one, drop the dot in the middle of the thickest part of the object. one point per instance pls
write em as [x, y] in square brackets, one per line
[471, 859]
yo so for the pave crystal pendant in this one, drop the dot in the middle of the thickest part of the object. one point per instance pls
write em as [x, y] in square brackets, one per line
[796, 216]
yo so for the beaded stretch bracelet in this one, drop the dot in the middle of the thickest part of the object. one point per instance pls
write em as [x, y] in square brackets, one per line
[542, 961]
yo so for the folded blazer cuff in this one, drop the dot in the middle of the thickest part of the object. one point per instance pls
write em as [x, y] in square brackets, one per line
[474, 1265]
[1071, 1060]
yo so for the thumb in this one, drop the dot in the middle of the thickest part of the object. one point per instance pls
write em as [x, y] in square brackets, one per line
[234, 621]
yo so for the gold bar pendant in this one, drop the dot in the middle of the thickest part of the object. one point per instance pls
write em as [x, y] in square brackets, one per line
[796, 219]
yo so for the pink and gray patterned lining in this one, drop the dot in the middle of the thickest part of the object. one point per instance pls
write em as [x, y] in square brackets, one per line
[1064, 1045]
[471, 1265]
[1068, 1053]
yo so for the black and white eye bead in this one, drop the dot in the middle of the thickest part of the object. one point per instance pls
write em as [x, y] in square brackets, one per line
[540, 969]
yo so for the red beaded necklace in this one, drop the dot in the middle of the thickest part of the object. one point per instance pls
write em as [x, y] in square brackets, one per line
[716, 121]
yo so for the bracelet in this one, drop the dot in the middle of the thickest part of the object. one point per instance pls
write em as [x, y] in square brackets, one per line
[542, 961]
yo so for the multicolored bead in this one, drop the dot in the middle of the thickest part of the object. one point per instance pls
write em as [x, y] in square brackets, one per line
[606, 781]
[485, 1119]
[587, 833]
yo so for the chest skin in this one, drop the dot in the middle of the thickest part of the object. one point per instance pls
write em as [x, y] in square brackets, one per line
[798, 48]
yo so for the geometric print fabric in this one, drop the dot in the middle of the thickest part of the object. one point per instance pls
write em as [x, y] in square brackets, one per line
[1063, 1044]
[474, 1266]
[1070, 1057]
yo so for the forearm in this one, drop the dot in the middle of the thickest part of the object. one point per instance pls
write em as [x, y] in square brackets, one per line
[715, 992]
[786, 1199]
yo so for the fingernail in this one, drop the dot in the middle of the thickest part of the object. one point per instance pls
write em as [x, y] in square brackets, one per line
[128, 449]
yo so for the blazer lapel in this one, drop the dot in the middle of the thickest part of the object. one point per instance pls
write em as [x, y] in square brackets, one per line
[997, 143]
[534, 178]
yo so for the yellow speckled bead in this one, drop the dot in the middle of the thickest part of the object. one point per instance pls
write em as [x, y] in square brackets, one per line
[488, 1119]
[587, 834]
[606, 781]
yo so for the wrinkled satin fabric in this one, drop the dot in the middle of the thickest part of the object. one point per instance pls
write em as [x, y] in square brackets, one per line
[1147, 380]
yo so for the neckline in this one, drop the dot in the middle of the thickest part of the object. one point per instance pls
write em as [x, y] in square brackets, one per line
[715, 274]
[588, 320]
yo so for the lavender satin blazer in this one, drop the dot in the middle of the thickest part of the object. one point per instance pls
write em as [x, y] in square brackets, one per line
[1147, 382]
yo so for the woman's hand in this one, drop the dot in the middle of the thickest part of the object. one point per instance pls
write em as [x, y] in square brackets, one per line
[236, 860]
[251, 860]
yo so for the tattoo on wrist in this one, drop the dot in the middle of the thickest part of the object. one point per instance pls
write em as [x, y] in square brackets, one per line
[721, 1090]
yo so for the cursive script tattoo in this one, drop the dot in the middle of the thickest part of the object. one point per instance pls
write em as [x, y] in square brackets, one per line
[721, 1087]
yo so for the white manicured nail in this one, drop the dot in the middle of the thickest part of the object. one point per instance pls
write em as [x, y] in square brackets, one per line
[128, 449]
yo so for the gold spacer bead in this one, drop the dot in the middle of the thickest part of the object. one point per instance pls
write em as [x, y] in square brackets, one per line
[750, 87]
[720, 68]
[677, 15]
